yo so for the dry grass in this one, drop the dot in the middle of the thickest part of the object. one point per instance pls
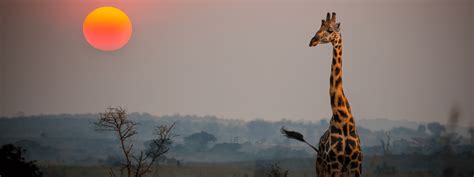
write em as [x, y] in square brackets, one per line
[405, 166]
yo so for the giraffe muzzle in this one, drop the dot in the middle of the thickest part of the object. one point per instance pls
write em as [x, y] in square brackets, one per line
[314, 41]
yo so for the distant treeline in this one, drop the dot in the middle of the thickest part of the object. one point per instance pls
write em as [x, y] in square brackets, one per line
[71, 139]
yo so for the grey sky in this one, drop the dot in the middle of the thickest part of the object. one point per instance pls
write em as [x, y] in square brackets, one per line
[241, 59]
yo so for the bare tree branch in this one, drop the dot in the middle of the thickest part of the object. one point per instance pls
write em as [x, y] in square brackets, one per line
[116, 120]
[386, 144]
[111, 172]
[158, 147]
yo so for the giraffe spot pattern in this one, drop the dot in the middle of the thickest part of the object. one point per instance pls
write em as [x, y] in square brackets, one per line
[322, 148]
[336, 118]
[348, 149]
[340, 101]
[335, 130]
[338, 82]
[344, 129]
[351, 119]
[326, 146]
[337, 70]
[335, 166]
[351, 143]
[334, 140]
[355, 155]
[346, 160]
[332, 155]
[333, 97]
[354, 164]
[353, 133]
[340, 159]
[339, 146]
[342, 113]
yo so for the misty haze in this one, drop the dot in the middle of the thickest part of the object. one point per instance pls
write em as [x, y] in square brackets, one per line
[215, 88]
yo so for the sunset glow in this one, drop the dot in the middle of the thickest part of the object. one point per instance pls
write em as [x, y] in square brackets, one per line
[107, 28]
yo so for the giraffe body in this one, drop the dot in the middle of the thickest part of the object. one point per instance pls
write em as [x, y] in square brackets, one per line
[339, 148]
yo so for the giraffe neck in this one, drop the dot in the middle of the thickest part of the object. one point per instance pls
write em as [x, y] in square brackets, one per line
[339, 103]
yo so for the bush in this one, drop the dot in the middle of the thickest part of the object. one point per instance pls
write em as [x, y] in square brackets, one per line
[13, 164]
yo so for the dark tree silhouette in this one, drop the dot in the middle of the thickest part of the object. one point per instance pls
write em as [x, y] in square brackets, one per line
[199, 141]
[117, 121]
[436, 128]
[13, 164]
[386, 144]
[226, 148]
[276, 171]
[471, 132]
[421, 129]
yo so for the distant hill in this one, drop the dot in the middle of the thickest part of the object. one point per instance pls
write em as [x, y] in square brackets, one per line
[72, 139]
[386, 124]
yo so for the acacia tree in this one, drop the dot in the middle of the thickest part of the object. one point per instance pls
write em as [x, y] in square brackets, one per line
[136, 165]
[199, 141]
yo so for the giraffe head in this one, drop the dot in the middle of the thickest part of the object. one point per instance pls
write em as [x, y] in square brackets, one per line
[328, 32]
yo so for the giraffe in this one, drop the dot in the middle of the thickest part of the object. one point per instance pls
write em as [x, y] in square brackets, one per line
[338, 151]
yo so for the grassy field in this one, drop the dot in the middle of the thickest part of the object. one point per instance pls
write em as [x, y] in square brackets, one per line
[189, 170]
[391, 166]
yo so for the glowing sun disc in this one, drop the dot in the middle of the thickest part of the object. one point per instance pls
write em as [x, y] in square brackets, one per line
[107, 28]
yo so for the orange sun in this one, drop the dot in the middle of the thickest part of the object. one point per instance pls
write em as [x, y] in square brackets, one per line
[107, 28]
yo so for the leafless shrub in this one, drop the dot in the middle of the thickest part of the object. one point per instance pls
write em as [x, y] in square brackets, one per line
[136, 165]
[386, 144]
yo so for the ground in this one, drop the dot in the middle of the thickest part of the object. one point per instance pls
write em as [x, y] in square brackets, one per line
[374, 166]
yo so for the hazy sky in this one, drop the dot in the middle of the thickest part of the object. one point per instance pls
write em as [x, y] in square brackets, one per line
[240, 59]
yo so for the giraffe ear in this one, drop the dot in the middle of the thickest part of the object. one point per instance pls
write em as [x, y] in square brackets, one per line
[337, 26]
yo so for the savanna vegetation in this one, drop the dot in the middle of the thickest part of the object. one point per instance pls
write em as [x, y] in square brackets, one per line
[135, 144]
